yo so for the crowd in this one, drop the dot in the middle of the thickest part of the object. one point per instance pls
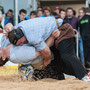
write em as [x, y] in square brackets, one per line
[80, 23]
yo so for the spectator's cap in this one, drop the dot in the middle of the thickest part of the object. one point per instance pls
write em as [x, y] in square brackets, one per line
[15, 35]
[2, 9]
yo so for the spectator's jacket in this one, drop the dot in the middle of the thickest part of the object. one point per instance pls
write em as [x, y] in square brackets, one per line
[84, 25]
[8, 20]
[21, 20]
[74, 22]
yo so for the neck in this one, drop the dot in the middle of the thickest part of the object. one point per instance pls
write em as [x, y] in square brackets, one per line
[70, 16]
[7, 51]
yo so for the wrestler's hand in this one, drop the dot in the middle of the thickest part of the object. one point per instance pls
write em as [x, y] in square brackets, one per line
[55, 34]
[7, 29]
[46, 53]
[46, 62]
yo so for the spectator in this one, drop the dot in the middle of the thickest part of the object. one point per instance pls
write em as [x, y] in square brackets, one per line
[84, 25]
[9, 17]
[1, 21]
[87, 10]
[63, 15]
[2, 9]
[33, 14]
[39, 9]
[39, 13]
[72, 20]
[22, 15]
[47, 12]
[57, 9]
[81, 13]
[81, 51]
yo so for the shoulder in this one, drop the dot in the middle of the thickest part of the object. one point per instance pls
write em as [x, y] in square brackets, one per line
[75, 18]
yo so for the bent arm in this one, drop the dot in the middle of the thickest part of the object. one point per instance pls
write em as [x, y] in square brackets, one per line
[51, 39]
[46, 51]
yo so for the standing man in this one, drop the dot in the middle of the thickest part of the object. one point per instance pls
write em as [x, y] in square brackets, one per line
[84, 24]
[22, 15]
[72, 20]
[9, 17]
[47, 12]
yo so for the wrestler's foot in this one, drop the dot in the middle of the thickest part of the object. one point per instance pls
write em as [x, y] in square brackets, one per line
[86, 78]
[46, 62]
[26, 72]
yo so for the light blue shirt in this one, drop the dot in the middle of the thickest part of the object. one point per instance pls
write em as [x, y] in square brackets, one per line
[38, 30]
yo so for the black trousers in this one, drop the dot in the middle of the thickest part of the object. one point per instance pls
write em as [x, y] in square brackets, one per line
[66, 61]
[86, 44]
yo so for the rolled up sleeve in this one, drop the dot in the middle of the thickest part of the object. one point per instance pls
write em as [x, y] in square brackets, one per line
[40, 46]
[39, 43]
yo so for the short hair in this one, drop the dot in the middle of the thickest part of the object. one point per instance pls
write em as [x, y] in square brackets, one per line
[47, 8]
[83, 9]
[10, 10]
[22, 11]
[40, 11]
[33, 13]
[69, 8]
[87, 10]
[62, 10]
[40, 8]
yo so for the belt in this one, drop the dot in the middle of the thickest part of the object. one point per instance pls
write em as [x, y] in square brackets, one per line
[57, 22]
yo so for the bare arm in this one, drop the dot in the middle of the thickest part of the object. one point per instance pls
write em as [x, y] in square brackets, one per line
[46, 53]
[7, 29]
[51, 39]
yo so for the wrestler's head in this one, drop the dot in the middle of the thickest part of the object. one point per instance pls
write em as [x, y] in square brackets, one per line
[16, 37]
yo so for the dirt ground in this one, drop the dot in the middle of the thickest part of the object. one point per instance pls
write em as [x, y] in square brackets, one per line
[15, 83]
